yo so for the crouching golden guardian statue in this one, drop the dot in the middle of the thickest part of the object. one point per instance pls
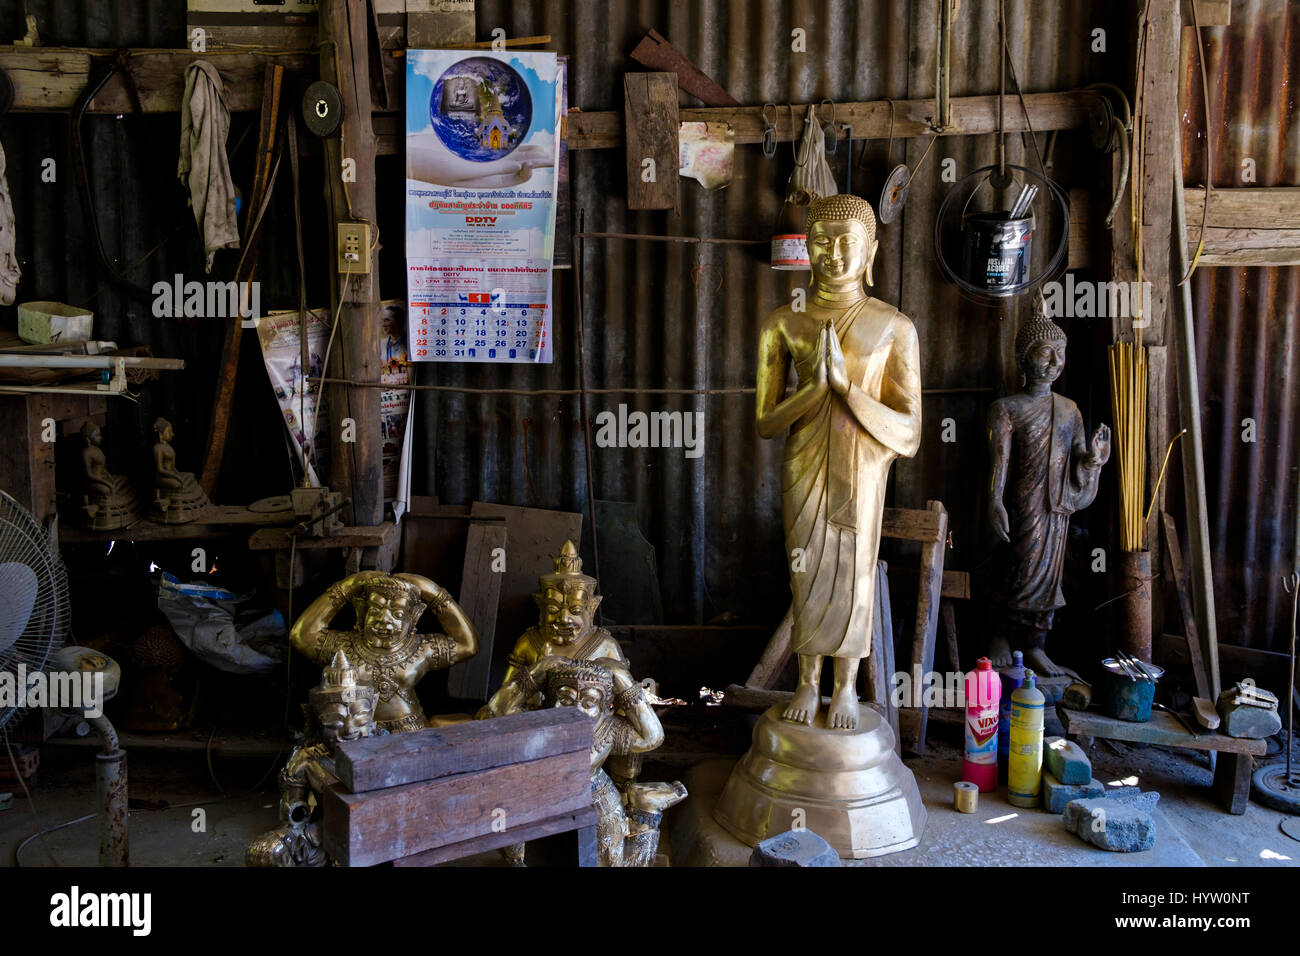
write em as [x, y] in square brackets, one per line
[857, 407]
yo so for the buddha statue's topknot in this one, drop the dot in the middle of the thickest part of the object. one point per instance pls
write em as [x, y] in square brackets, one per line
[842, 207]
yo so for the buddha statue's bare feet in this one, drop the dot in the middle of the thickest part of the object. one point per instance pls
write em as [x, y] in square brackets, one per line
[1000, 652]
[1042, 664]
[803, 707]
[843, 714]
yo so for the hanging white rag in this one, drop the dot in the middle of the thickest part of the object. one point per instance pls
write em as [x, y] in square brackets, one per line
[10, 273]
[204, 167]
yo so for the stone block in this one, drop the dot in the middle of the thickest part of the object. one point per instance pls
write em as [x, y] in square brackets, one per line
[1066, 761]
[1057, 794]
[794, 848]
[1113, 825]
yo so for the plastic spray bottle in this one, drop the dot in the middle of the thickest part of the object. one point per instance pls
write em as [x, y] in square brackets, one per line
[983, 690]
[1012, 678]
[1025, 760]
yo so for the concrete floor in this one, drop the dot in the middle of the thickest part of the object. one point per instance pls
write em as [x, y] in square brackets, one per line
[1191, 829]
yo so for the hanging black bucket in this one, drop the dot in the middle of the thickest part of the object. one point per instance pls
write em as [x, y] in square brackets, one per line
[997, 251]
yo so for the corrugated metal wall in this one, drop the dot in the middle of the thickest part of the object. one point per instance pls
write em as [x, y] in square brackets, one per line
[687, 316]
[1246, 329]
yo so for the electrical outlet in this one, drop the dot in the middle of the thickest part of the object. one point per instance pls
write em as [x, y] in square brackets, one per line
[354, 248]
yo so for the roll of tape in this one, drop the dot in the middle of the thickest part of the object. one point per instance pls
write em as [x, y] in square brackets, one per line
[966, 796]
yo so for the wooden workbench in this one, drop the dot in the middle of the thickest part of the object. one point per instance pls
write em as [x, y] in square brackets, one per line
[1231, 774]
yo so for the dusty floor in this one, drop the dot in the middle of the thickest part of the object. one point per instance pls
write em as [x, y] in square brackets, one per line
[1192, 830]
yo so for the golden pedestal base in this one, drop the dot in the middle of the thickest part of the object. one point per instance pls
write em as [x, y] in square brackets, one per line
[848, 787]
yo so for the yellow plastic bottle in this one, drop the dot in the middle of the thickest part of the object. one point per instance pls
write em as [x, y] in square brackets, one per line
[1025, 760]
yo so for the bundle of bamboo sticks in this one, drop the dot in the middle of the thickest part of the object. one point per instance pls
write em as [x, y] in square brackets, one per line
[1128, 404]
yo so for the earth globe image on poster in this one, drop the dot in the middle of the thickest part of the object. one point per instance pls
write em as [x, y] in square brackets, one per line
[480, 109]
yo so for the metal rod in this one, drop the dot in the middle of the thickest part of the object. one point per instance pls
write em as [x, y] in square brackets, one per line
[40, 360]
[582, 383]
[110, 793]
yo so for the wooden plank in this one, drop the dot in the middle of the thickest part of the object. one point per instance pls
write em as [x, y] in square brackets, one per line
[49, 79]
[927, 617]
[480, 594]
[776, 655]
[914, 524]
[1209, 13]
[536, 536]
[363, 829]
[1162, 729]
[658, 54]
[955, 586]
[1232, 782]
[972, 115]
[274, 539]
[584, 819]
[1183, 584]
[373, 763]
[650, 120]
[1247, 226]
[880, 668]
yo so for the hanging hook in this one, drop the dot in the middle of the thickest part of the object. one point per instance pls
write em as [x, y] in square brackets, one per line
[797, 141]
[832, 141]
[769, 130]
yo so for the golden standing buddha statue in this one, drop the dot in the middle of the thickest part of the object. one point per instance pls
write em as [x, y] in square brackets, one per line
[383, 646]
[857, 407]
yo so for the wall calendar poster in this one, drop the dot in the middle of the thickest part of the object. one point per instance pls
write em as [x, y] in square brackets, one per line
[482, 149]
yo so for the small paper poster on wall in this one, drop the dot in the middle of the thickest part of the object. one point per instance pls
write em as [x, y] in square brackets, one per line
[482, 148]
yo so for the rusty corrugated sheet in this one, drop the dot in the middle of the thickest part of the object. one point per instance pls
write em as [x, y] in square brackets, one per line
[1246, 329]
[687, 316]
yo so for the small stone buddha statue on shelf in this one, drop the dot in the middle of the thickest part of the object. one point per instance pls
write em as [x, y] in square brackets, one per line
[342, 708]
[384, 646]
[110, 501]
[177, 497]
[627, 829]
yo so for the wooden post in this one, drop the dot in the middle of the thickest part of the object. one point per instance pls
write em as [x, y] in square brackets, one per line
[650, 120]
[927, 618]
[356, 462]
[480, 592]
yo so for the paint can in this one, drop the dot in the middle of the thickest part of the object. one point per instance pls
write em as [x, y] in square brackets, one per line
[1126, 697]
[997, 250]
[965, 796]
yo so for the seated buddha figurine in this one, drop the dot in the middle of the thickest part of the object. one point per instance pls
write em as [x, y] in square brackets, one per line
[177, 495]
[110, 501]
[342, 708]
[627, 828]
[384, 646]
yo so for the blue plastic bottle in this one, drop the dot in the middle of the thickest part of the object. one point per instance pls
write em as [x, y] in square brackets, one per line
[1013, 678]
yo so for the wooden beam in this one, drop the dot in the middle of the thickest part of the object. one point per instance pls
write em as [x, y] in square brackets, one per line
[374, 763]
[1247, 226]
[927, 615]
[1209, 13]
[971, 115]
[49, 79]
[650, 121]
[355, 458]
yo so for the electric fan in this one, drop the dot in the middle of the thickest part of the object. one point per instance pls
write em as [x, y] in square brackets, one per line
[34, 614]
[34, 620]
